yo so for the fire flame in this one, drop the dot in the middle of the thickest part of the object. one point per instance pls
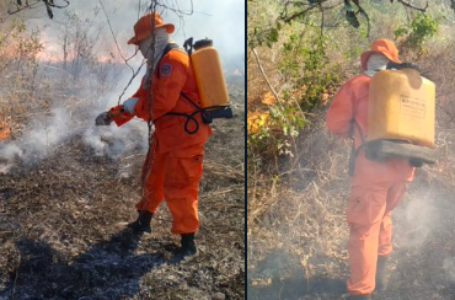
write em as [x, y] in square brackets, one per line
[5, 130]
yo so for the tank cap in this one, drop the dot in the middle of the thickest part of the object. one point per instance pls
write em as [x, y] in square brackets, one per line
[202, 44]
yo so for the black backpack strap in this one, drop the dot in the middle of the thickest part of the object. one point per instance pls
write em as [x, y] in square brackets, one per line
[207, 116]
[190, 100]
[354, 151]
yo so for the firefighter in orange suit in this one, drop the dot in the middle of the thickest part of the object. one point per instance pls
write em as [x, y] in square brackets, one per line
[173, 167]
[376, 188]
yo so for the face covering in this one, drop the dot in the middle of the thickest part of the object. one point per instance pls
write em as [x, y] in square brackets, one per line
[376, 62]
[161, 40]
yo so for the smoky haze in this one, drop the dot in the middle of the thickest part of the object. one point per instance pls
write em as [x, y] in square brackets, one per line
[221, 21]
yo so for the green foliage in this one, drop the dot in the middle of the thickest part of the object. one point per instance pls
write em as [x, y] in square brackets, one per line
[18, 26]
[348, 6]
[26, 44]
[415, 34]
[311, 77]
[308, 60]
[267, 37]
[263, 23]
[30, 46]
[351, 14]
[307, 64]
[352, 19]
[277, 135]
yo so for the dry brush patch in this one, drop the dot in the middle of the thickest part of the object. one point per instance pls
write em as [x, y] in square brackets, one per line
[297, 226]
[67, 187]
[63, 236]
[298, 233]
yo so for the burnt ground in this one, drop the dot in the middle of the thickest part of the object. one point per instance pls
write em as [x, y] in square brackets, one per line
[421, 266]
[297, 251]
[63, 234]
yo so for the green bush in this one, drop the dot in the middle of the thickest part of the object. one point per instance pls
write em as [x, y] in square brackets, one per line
[311, 78]
[277, 135]
[415, 34]
[307, 65]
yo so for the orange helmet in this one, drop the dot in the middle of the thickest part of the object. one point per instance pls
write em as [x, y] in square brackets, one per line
[143, 28]
[383, 46]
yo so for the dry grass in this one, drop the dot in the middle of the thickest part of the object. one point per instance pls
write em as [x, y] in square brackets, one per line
[296, 227]
[62, 229]
[297, 232]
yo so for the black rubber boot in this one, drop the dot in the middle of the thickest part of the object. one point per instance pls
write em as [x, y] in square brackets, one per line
[187, 252]
[142, 224]
[359, 297]
[381, 270]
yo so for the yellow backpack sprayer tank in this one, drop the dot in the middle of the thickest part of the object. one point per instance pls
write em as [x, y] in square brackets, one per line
[401, 117]
[214, 96]
[210, 79]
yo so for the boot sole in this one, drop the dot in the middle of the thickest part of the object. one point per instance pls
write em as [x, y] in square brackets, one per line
[139, 229]
[189, 259]
[184, 260]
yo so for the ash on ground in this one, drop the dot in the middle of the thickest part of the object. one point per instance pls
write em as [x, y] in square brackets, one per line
[63, 234]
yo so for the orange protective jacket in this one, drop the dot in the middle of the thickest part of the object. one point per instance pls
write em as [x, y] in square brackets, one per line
[351, 104]
[174, 75]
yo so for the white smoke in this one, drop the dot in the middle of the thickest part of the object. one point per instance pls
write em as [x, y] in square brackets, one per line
[449, 267]
[222, 21]
[8, 152]
[116, 141]
[44, 133]
[112, 140]
[417, 206]
[39, 140]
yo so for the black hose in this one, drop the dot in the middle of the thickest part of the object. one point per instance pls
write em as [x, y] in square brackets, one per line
[405, 65]
[189, 118]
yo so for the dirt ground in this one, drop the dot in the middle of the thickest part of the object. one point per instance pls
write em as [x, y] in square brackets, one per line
[297, 250]
[62, 233]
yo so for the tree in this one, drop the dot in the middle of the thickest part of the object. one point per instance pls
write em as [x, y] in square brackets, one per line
[352, 9]
[79, 40]
[18, 5]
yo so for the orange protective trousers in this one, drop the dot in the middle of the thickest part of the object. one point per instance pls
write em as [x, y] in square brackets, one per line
[377, 187]
[175, 157]
[174, 175]
[370, 223]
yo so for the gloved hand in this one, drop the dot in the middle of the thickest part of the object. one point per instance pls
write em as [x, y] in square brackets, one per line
[103, 118]
[129, 104]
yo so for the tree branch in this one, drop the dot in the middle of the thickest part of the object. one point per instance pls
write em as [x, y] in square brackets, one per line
[258, 61]
[322, 18]
[364, 13]
[424, 9]
[296, 15]
[319, 5]
[47, 3]
[272, 89]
